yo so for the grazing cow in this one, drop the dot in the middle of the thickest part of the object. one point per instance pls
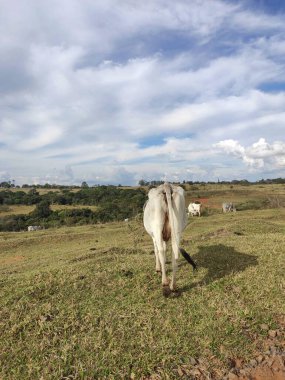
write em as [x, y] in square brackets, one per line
[126, 220]
[194, 209]
[164, 219]
[34, 228]
[228, 207]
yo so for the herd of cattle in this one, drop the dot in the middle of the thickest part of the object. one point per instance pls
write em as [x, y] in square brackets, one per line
[165, 218]
[194, 209]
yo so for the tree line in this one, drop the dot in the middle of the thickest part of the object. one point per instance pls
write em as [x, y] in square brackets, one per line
[243, 182]
[112, 203]
[142, 182]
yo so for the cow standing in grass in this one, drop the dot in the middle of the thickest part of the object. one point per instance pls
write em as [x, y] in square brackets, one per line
[34, 228]
[228, 207]
[164, 219]
[194, 209]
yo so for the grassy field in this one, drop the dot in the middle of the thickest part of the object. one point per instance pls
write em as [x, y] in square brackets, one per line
[212, 196]
[24, 209]
[85, 302]
[15, 210]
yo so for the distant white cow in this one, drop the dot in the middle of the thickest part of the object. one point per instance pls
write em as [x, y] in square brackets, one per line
[228, 207]
[194, 209]
[34, 228]
[165, 218]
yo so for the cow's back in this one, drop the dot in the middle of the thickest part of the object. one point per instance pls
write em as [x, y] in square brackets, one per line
[156, 208]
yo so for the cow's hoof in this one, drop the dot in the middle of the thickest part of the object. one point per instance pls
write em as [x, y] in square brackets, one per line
[166, 290]
[176, 293]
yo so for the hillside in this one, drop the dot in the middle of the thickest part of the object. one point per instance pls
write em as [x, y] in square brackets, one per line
[85, 302]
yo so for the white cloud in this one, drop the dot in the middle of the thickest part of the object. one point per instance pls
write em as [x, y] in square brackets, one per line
[252, 112]
[258, 155]
[63, 176]
[257, 21]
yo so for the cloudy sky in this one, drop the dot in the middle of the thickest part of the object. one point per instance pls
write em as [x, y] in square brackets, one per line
[112, 91]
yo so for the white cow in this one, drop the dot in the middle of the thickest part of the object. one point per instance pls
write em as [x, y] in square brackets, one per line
[34, 228]
[194, 209]
[165, 218]
[228, 207]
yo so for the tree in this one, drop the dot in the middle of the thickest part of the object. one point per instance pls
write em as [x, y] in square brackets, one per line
[42, 209]
[84, 184]
[5, 184]
[142, 182]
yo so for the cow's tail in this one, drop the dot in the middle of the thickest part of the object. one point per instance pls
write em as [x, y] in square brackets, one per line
[175, 243]
[188, 258]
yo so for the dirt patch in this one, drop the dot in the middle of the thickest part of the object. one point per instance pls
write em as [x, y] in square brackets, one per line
[268, 368]
[11, 260]
[268, 363]
[261, 368]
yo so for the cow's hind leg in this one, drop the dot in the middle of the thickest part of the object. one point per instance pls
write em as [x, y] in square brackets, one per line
[157, 261]
[165, 289]
[175, 253]
[164, 279]
[161, 255]
[174, 271]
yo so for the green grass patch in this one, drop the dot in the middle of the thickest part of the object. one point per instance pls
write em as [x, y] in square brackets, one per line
[85, 302]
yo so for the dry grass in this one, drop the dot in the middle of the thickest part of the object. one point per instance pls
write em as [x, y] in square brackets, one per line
[16, 210]
[23, 209]
[71, 207]
[85, 302]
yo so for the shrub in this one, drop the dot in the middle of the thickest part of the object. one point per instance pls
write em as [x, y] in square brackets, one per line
[253, 204]
[42, 210]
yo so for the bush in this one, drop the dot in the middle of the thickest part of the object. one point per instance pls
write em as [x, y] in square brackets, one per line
[13, 223]
[253, 204]
[207, 211]
[42, 210]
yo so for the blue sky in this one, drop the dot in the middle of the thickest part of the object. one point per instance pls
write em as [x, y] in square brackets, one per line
[114, 91]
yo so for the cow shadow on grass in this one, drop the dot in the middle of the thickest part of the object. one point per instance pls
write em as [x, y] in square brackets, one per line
[219, 261]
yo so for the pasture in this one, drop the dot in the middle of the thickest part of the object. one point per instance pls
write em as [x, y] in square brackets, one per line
[23, 209]
[85, 302]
